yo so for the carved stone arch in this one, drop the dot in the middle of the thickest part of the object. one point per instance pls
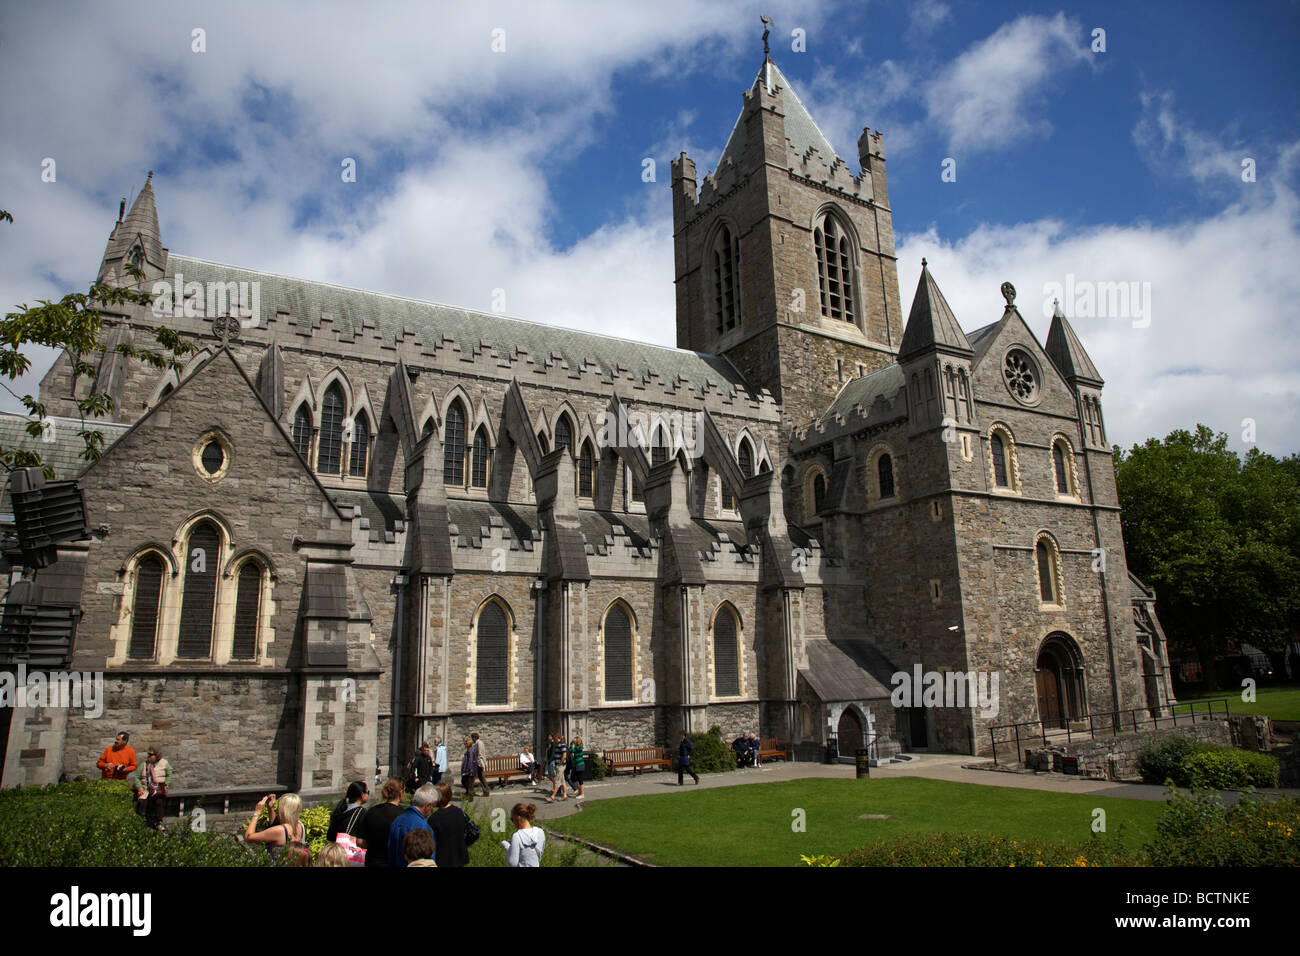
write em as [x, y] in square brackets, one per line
[1008, 440]
[731, 611]
[365, 406]
[206, 514]
[856, 304]
[633, 640]
[1055, 568]
[842, 219]
[712, 239]
[467, 403]
[195, 361]
[170, 380]
[1060, 678]
[336, 374]
[304, 396]
[430, 413]
[1071, 466]
[813, 470]
[872, 478]
[237, 558]
[482, 419]
[163, 550]
[565, 408]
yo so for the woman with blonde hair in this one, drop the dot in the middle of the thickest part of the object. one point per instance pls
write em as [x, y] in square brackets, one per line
[284, 828]
[332, 854]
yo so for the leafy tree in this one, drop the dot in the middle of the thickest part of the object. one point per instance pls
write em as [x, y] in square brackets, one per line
[74, 324]
[1217, 536]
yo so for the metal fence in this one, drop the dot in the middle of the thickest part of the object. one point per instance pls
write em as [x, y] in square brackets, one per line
[1112, 723]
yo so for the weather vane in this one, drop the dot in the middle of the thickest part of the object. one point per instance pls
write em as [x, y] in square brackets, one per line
[767, 29]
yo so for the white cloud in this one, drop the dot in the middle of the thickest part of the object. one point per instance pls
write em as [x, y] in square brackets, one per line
[993, 92]
[1221, 344]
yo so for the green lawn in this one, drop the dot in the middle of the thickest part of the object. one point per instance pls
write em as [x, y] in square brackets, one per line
[752, 825]
[1279, 703]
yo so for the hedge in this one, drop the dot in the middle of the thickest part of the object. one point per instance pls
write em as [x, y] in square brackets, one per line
[1191, 763]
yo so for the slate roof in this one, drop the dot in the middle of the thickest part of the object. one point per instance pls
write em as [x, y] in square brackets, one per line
[1139, 591]
[847, 670]
[353, 310]
[931, 322]
[979, 339]
[864, 391]
[1066, 351]
[63, 454]
[800, 128]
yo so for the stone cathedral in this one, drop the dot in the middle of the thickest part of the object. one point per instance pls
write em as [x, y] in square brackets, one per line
[357, 521]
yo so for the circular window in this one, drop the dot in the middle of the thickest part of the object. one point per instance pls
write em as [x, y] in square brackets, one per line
[1021, 376]
[211, 456]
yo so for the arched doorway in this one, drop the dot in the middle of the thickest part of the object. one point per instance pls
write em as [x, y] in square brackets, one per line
[1059, 681]
[849, 733]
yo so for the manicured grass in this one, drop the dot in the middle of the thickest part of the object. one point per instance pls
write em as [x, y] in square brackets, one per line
[752, 825]
[1279, 703]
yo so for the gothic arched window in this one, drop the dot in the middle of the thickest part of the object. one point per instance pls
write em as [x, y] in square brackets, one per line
[618, 654]
[834, 268]
[492, 656]
[1049, 584]
[885, 475]
[819, 493]
[726, 653]
[726, 280]
[479, 457]
[148, 601]
[329, 458]
[453, 446]
[999, 453]
[360, 447]
[658, 448]
[1058, 465]
[563, 433]
[586, 471]
[248, 607]
[198, 600]
[302, 432]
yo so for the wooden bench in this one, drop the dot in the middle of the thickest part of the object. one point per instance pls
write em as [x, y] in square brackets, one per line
[770, 749]
[637, 758]
[502, 768]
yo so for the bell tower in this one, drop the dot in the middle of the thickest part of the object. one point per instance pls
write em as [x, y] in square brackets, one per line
[784, 259]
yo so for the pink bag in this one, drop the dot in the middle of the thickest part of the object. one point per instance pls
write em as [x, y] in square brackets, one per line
[356, 855]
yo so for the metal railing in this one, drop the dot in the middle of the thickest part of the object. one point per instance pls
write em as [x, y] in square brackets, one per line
[1118, 723]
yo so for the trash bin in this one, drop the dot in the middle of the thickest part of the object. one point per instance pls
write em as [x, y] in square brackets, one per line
[863, 762]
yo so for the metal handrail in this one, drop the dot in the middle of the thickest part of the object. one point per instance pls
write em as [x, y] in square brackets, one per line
[1116, 724]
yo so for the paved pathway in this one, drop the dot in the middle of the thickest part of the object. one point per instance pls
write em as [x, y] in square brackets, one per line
[929, 766]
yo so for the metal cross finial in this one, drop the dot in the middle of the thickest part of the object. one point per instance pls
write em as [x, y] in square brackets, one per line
[767, 29]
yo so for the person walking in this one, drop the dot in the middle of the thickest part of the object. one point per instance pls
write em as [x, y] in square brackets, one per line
[415, 817]
[157, 777]
[525, 847]
[451, 829]
[347, 812]
[578, 765]
[469, 769]
[685, 751]
[478, 762]
[372, 830]
[557, 764]
[118, 759]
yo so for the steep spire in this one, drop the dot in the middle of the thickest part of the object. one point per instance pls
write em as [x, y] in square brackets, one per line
[931, 324]
[1067, 353]
[139, 228]
[801, 129]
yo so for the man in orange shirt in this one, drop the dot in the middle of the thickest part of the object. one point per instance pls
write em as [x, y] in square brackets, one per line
[117, 761]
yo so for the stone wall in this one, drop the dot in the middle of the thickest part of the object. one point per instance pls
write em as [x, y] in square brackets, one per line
[1115, 758]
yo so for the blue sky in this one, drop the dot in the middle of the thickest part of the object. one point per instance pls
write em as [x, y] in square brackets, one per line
[521, 168]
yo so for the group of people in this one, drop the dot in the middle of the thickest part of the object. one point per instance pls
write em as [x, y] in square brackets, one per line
[746, 748]
[566, 764]
[149, 782]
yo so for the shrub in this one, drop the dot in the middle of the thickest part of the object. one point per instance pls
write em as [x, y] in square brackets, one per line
[1198, 830]
[596, 767]
[1163, 761]
[712, 755]
[94, 823]
[1190, 763]
[982, 849]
